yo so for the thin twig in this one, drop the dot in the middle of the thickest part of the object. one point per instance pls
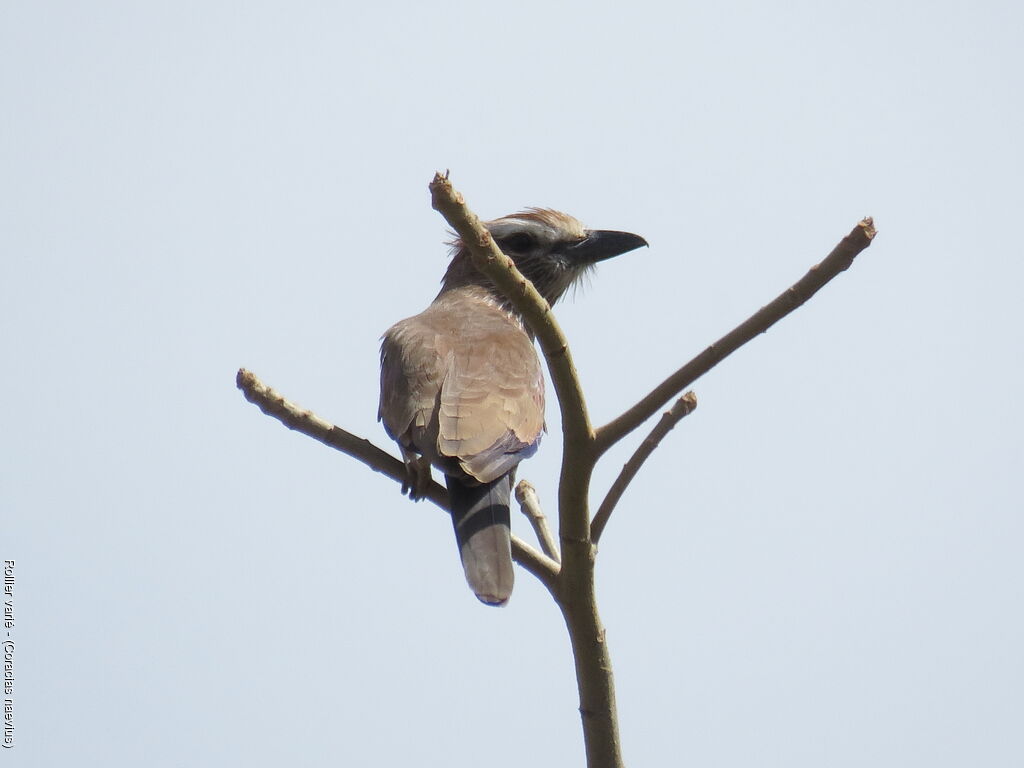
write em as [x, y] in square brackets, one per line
[308, 423]
[683, 407]
[840, 259]
[529, 503]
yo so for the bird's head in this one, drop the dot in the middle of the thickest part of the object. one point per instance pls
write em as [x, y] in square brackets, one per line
[550, 248]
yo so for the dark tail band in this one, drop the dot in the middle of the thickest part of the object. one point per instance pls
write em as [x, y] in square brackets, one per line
[482, 522]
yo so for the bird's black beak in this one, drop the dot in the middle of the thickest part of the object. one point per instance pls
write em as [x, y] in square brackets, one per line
[601, 244]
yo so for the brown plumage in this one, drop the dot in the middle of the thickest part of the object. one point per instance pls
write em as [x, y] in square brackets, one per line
[462, 387]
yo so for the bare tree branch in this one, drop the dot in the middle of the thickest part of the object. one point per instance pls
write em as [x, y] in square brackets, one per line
[683, 407]
[575, 583]
[577, 432]
[570, 582]
[308, 423]
[502, 271]
[840, 259]
[598, 710]
[529, 503]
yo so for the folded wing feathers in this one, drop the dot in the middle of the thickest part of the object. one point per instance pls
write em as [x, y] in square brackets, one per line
[479, 371]
[491, 406]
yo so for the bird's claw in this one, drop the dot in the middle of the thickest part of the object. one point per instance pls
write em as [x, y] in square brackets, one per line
[417, 476]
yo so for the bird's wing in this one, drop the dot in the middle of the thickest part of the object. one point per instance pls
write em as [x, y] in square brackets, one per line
[461, 384]
[411, 373]
[491, 408]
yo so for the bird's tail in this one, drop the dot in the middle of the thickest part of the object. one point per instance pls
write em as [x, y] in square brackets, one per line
[482, 529]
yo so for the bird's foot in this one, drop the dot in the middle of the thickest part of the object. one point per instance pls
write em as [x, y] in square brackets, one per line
[417, 476]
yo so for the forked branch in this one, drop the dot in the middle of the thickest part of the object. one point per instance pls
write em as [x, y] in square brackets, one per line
[570, 582]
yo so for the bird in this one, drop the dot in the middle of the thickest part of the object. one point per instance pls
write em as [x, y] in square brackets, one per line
[461, 385]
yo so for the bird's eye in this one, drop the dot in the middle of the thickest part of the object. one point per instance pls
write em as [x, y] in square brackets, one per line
[520, 242]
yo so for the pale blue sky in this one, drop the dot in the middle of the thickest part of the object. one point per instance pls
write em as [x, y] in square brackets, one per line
[820, 567]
